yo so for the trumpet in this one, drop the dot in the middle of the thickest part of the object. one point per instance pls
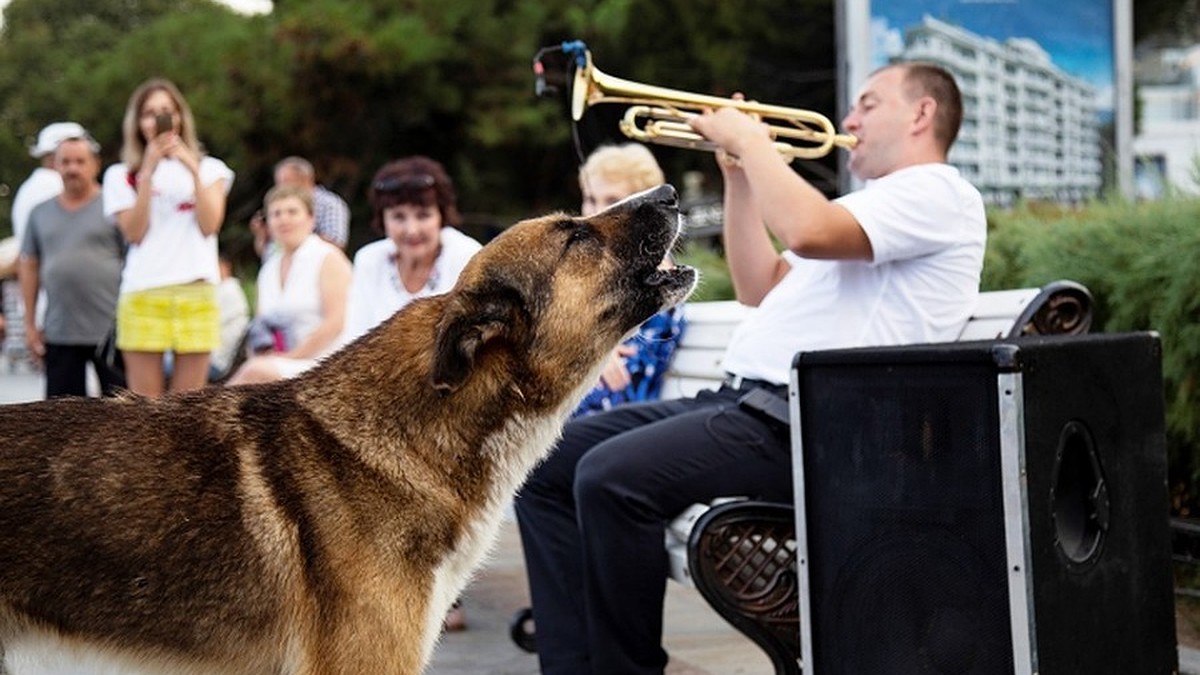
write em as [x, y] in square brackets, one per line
[660, 115]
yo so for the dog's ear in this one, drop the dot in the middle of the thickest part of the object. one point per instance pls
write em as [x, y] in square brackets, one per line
[468, 324]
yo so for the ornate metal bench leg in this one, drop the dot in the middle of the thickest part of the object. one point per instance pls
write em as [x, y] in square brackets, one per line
[743, 560]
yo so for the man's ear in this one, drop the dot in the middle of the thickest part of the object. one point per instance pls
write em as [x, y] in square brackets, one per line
[470, 323]
[926, 111]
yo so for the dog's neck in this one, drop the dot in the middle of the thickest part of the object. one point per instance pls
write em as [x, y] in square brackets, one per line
[499, 403]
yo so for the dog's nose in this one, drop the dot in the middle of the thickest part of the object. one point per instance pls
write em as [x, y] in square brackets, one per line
[664, 195]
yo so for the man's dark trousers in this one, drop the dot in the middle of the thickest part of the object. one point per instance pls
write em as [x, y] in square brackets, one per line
[592, 520]
[66, 371]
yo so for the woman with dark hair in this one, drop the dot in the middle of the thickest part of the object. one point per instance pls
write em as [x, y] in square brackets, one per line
[414, 206]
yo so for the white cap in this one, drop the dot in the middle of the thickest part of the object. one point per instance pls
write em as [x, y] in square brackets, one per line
[53, 134]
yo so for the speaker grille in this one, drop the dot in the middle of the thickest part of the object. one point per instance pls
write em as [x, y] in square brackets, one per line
[918, 601]
[912, 568]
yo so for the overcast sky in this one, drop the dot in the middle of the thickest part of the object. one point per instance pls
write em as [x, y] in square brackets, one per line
[247, 6]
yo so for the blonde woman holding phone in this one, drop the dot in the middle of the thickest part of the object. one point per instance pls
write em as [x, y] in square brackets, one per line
[168, 199]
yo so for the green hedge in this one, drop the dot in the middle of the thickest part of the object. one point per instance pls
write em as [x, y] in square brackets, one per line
[715, 283]
[1142, 264]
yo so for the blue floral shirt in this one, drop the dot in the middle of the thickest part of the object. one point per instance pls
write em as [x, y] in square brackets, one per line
[656, 341]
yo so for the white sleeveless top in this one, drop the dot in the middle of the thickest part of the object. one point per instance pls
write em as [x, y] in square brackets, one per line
[295, 303]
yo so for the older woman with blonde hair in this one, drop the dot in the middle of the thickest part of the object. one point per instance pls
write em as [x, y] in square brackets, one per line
[168, 198]
[301, 293]
[635, 370]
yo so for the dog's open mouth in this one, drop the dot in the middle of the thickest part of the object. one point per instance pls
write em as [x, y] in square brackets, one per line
[655, 213]
[678, 275]
[676, 282]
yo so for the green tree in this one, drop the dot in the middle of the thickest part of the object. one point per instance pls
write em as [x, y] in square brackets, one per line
[374, 81]
[227, 70]
[42, 42]
[352, 85]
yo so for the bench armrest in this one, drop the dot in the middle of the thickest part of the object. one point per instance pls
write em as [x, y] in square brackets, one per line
[1061, 308]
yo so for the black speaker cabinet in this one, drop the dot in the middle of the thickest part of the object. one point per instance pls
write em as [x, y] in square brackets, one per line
[991, 507]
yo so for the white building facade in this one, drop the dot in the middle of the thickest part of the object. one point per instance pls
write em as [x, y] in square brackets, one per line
[1167, 145]
[1030, 130]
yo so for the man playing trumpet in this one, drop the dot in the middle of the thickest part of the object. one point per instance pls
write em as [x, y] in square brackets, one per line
[896, 262]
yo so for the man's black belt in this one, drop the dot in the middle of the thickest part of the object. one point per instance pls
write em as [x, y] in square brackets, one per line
[746, 384]
[762, 399]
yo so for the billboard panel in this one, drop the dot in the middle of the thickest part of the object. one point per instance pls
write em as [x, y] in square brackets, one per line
[1046, 86]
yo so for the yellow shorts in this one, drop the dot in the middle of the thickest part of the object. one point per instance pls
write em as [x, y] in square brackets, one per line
[182, 318]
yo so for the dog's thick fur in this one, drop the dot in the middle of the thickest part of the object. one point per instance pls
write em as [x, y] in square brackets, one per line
[324, 524]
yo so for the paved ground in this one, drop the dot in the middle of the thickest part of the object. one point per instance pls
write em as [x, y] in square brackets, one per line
[698, 640]
[18, 383]
[700, 643]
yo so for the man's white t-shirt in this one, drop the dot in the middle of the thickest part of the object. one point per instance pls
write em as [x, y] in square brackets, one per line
[174, 251]
[43, 184]
[927, 229]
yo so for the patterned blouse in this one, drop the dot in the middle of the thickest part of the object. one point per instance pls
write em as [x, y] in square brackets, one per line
[656, 341]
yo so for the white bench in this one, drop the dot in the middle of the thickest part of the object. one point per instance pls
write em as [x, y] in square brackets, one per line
[1059, 307]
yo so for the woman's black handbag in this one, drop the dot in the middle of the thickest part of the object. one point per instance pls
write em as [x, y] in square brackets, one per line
[108, 354]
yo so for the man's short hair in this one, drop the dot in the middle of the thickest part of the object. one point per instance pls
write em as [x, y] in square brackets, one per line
[922, 78]
[83, 137]
[298, 164]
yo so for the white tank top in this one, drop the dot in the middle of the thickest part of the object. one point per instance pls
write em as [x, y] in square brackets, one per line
[295, 303]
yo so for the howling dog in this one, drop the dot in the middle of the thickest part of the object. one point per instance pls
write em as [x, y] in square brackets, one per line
[321, 525]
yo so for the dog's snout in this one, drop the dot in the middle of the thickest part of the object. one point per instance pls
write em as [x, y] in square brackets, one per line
[662, 197]
[665, 195]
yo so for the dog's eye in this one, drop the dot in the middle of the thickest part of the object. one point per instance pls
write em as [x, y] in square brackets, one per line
[577, 233]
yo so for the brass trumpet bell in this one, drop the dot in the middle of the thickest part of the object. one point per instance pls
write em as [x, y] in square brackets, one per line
[659, 115]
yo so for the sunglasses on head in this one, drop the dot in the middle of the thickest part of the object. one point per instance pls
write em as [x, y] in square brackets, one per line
[396, 183]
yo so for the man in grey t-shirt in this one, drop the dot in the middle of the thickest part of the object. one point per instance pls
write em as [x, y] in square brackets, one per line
[73, 253]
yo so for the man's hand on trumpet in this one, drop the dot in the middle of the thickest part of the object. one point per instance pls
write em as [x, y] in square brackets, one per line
[734, 131]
